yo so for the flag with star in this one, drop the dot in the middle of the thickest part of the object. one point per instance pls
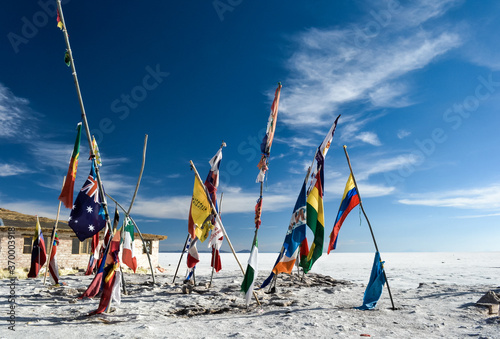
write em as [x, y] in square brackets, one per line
[86, 217]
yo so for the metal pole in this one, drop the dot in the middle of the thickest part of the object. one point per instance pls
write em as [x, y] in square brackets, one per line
[368, 221]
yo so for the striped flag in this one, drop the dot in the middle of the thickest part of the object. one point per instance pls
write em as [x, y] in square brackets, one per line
[267, 141]
[350, 199]
[315, 217]
[38, 252]
[251, 273]
[128, 256]
[212, 183]
[53, 269]
[66, 195]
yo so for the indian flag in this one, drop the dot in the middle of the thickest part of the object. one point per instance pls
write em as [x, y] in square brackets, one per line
[251, 273]
[128, 256]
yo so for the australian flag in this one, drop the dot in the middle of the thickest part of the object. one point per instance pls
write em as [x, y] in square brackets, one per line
[87, 216]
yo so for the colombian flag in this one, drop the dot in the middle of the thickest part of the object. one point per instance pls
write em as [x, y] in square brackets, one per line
[349, 200]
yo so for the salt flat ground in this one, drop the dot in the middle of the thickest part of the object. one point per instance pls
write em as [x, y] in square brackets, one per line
[434, 293]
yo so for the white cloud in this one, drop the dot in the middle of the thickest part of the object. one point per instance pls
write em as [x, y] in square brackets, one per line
[369, 137]
[402, 133]
[485, 198]
[7, 170]
[16, 119]
[329, 70]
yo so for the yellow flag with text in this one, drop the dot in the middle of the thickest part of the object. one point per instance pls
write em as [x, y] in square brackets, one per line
[200, 210]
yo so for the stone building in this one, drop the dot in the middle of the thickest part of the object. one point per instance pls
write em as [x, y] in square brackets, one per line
[71, 253]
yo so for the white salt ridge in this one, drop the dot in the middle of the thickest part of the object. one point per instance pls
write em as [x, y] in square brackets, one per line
[435, 294]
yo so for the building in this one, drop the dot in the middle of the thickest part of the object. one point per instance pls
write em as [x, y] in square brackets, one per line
[71, 253]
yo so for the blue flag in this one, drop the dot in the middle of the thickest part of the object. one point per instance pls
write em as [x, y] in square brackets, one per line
[295, 234]
[375, 285]
[86, 217]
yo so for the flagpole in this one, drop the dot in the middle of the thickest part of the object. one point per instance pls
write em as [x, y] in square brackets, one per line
[84, 116]
[54, 229]
[140, 234]
[368, 221]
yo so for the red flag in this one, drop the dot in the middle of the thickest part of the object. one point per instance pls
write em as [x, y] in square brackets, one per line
[258, 212]
[54, 271]
[93, 255]
[216, 263]
[66, 195]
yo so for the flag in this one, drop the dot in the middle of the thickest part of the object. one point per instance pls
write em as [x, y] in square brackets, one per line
[128, 256]
[215, 242]
[212, 183]
[95, 150]
[295, 235]
[192, 258]
[66, 195]
[112, 265]
[67, 59]
[250, 273]
[59, 22]
[86, 217]
[375, 285]
[53, 269]
[325, 145]
[199, 212]
[349, 200]
[315, 216]
[258, 212]
[267, 141]
[38, 253]
[94, 255]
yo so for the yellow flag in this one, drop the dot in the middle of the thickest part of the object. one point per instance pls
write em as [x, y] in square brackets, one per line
[199, 213]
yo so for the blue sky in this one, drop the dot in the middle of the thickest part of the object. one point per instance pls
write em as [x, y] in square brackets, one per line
[417, 85]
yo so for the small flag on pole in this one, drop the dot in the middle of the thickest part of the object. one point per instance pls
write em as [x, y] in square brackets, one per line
[53, 269]
[375, 285]
[97, 155]
[38, 252]
[350, 199]
[66, 195]
[251, 273]
[199, 212]
[128, 256]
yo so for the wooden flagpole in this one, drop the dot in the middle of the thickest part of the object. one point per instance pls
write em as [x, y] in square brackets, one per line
[368, 221]
[54, 230]
[221, 225]
[132, 202]
[84, 116]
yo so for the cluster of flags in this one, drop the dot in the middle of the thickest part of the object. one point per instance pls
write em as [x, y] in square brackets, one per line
[203, 220]
[39, 254]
